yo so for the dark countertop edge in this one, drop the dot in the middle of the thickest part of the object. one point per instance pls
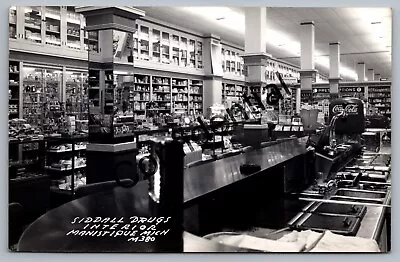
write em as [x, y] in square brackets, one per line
[193, 201]
[381, 219]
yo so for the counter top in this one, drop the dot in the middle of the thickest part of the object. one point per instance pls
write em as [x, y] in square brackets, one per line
[121, 202]
[207, 178]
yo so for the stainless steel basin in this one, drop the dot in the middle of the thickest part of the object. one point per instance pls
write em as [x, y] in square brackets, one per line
[360, 193]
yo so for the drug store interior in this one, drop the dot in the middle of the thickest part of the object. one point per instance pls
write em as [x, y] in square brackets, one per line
[253, 126]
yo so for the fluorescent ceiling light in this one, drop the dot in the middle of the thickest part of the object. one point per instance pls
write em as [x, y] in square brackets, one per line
[345, 71]
[231, 19]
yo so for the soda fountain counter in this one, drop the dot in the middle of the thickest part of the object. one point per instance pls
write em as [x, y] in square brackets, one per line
[219, 196]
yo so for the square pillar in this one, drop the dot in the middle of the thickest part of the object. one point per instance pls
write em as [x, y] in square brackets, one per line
[255, 57]
[212, 90]
[111, 151]
[334, 67]
[370, 74]
[361, 72]
[255, 30]
[255, 63]
[307, 71]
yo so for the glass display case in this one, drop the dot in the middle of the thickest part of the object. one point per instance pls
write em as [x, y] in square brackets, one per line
[73, 29]
[156, 45]
[192, 57]
[33, 23]
[54, 121]
[165, 46]
[13, 89]
[53, 25]
[33, 97]
[144, 43]
[136, 43]
[184, 52]
[12, 22]
[76, 84]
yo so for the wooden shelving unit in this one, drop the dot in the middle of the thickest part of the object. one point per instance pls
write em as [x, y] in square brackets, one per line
[161, 93]
[352, 91]
[196, 96]
[180, 94]
[33, 96]
[380, 97]
[140, 94]
[13, 89]
[320, 93]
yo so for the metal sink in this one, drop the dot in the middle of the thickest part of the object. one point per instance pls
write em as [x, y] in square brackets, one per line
[360, 193]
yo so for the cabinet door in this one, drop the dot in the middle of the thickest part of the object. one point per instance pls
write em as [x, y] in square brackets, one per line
[33, 24]
[73, 29]
[52, 20]
[13, 23]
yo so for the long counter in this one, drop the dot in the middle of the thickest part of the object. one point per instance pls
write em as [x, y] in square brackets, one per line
[200, 182]
[210, 177]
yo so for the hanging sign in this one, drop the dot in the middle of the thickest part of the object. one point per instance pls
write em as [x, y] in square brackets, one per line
[359, 89]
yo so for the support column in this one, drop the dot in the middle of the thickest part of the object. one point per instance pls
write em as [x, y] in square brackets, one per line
[111, 152]
[370, 74]
[255, 57]
[255, 63]
[334, 68]
[361, 72]
[212, 91]
[307, 71]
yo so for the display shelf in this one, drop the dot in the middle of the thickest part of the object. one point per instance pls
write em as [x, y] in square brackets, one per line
[25, 156]
[228, 90]
[54, 110]
[320, 93]
[352, 91]
[180, 95]
[94, 89]
[33, 96]
[140, 93]
[33, 23]
[76, 86]
[91, 41]
[63, 150]
[53, 25]
[12, 22]
[64, 169]
[196, 96]
[77, 148]
[13, 91]
[232, 63]
[380, 98]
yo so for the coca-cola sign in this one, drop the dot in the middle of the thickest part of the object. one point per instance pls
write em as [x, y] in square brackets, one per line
[351, 109]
